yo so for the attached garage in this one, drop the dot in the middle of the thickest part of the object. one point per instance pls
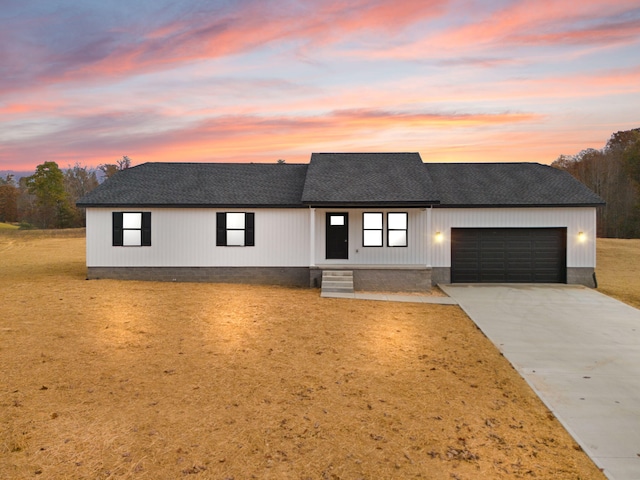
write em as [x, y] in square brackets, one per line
[508, 255]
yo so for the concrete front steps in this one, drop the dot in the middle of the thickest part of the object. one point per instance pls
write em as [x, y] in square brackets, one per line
[337, 281]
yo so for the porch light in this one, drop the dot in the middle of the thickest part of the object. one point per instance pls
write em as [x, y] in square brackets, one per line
[582, 237]
[438, 237]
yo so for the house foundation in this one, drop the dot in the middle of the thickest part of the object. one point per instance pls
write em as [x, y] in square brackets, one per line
[283, 276]
[380, 278]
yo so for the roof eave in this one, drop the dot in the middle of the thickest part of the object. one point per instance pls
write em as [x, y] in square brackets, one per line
[399, 204]
[518, 205]
[186, 205]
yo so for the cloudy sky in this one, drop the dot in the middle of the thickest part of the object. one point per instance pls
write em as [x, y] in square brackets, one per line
[257, 80]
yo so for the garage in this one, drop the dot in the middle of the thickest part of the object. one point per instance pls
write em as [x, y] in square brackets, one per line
[508, 255]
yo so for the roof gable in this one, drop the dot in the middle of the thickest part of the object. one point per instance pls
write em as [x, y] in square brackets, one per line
[362, 179]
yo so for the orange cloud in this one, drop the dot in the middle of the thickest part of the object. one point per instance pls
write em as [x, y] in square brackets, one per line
[248, 138]
[529, 23]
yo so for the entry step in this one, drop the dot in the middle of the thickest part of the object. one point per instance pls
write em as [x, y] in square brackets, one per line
[337, 281]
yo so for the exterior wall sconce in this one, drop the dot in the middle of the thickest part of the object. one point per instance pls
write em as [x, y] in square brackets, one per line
[438, 237]
[582, 237]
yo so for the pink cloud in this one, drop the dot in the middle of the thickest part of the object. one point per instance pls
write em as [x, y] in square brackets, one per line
[248, 138]
[530, 23]
[535, 21]
[135, 48]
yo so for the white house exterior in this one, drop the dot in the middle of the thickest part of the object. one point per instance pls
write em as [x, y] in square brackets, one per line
[396, 222]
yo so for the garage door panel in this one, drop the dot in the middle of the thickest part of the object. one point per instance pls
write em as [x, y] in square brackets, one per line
[493, 256]
[519, 278]
[492, 267]
[510, 255]
[520, 242]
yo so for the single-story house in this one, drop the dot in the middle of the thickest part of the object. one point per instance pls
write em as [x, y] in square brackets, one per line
[396, 222]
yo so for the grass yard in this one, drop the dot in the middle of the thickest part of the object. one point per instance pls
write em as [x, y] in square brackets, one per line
[618, 269]
[7, 226]
[110, 379]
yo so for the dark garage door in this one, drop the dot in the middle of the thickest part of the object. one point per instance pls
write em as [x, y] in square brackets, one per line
[508, 255]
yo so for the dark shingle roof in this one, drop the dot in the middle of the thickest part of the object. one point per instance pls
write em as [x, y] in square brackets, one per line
[507, 184]
[341, 179]
[202, 185]
[366, 179]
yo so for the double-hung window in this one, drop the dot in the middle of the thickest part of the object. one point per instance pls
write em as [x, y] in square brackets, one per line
[397, 229]
[235, 229]
[131, 229]
[372, 229]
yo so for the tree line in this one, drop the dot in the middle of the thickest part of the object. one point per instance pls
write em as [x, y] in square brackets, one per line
[612, 172]
[47, 199]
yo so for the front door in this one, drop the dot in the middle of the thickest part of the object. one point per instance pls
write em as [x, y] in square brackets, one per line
[337, 235]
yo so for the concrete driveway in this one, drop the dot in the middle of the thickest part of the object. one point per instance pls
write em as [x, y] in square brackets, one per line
[580, 351]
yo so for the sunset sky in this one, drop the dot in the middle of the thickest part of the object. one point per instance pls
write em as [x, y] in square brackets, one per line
[256, 81]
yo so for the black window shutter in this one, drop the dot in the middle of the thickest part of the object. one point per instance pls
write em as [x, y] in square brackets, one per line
[221, 229]
[249, 237]
[146, 229]
[117, 228]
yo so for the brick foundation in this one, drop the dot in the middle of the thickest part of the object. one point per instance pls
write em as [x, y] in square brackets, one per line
[284, 276]
[364, 279]
[581, 276]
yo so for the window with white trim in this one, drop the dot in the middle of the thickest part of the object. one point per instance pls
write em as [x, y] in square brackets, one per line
[397, 229]
[235, 229]
[372, 229]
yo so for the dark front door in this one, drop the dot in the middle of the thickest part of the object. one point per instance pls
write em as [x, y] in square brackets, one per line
[337, 235]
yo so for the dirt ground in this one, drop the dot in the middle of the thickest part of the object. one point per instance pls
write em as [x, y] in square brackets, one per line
[113, 379]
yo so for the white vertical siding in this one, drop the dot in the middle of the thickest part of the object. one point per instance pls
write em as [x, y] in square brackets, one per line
[575, 219]
[186, 237]
[414, 254]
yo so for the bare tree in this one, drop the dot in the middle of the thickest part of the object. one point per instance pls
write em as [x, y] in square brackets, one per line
[110, 169]
[78, 181]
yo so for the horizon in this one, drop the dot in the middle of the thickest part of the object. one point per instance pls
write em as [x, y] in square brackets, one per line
[251, 81]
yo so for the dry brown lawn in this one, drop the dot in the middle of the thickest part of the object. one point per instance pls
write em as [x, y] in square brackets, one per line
[112, 379]
[618, 269]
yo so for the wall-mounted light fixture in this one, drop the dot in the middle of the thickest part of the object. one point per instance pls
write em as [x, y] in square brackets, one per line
[438, 237]
[582, 237]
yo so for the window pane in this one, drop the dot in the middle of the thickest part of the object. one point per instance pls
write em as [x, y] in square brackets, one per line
[235, 220]
[131, 238]
[131, 220]
[235, 238]
[397, 238]
[337, 219]
[397, 221]
[372, 221]
[372, 238]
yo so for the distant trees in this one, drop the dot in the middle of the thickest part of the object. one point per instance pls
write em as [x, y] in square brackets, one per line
[78, 181]
[52, 200]
[613, 173]
[110, 169]
[47, 199]
[8, 199]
